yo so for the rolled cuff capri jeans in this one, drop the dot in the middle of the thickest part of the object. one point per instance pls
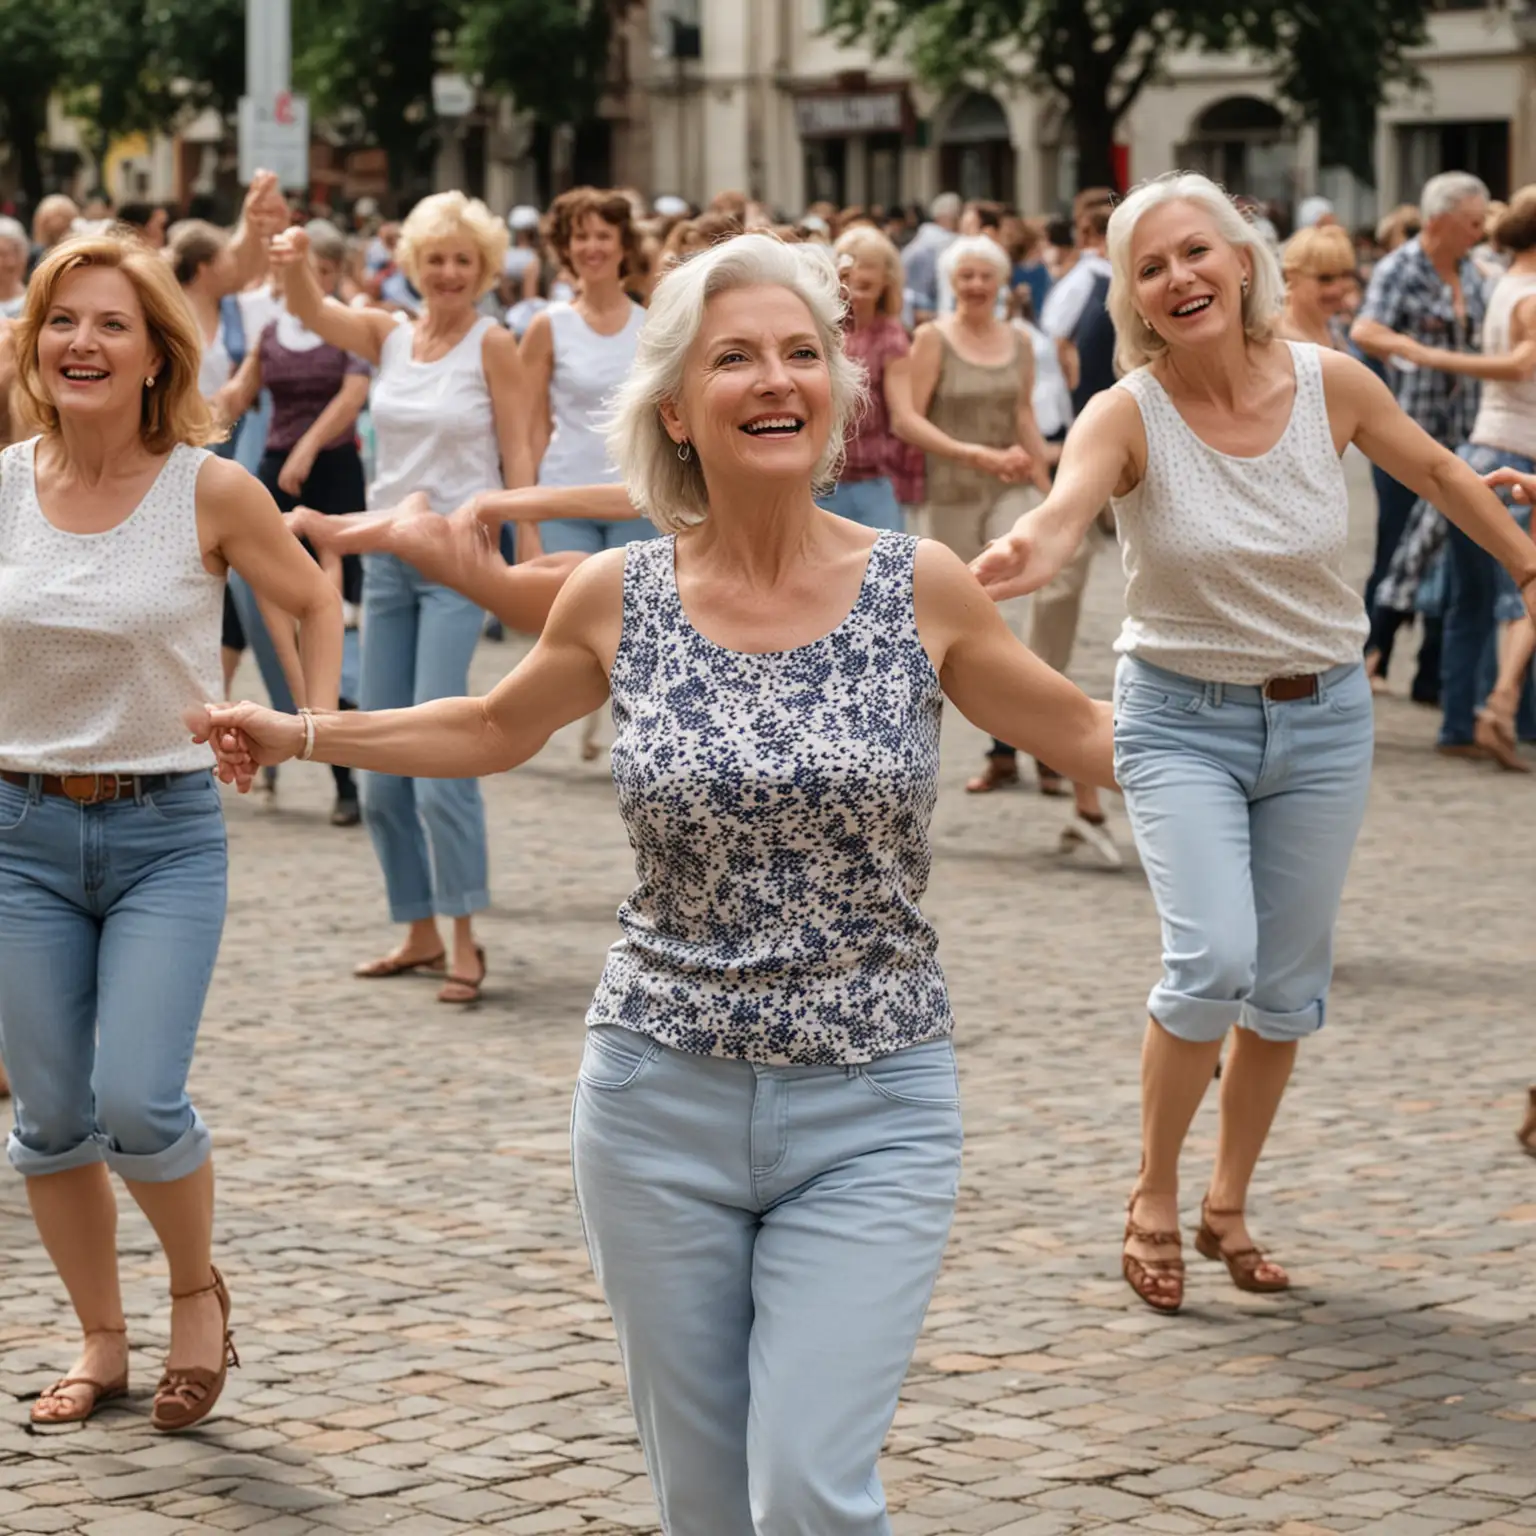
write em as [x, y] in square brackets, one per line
[1245, 812]
[110, 919]
[768, 1239]
[429, 834]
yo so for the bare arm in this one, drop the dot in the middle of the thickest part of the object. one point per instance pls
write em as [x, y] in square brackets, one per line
[1510, 367]
[1029, 432]
[239, 395]
[241, 525]
[563, 678]
[1103, 456]
[262, 215]
[358, 331]
[541, 503]
[1360, 404]
[339, 414]
[538, 355]
[507, 380]
[998, 684]
[1378, 340]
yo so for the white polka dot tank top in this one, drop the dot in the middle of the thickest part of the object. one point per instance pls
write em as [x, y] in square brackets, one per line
[1235, 566]
[107, 637]
[778, 805]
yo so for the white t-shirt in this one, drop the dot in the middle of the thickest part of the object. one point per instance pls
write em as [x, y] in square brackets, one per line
[1051, 399]
[1069, 294]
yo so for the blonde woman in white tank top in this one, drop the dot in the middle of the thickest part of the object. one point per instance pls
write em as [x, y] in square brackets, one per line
[1503, 449]
[1243, 718]
[450, 412]
[117, 529]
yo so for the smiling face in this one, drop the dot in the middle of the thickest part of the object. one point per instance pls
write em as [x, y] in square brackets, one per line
[866, 280]
[1187, 280]
[1324, 291]
[975, 282]
[448, 273]
[597, 249]
[95, 349]
[756, 400]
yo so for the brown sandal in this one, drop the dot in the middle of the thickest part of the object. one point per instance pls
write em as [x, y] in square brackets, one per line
[186, 1395]
[1152, 1279]
[1495, 734]
[1527, 1132]
[101, 1392]
[390, 965]
[471, 984]
[1244, 1264]
[1000, 771]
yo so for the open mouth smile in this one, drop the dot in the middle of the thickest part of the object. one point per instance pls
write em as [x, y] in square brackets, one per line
[1193, 307]
[773, 426]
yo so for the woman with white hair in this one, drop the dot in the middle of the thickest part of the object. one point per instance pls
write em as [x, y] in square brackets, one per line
[449, 411]
[1243, 717]
[766, 1132]
[14, 250]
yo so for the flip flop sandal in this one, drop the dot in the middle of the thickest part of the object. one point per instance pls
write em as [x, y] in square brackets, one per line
[379, 970]
[471, 984]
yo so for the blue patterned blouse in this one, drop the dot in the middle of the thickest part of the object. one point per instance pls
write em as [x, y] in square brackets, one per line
[778, 805]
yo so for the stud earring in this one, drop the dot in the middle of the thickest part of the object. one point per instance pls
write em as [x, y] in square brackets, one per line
[1245, 287]
[149, 381]
[684, 451]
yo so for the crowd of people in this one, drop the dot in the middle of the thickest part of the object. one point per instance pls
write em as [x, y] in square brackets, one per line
[740, 479]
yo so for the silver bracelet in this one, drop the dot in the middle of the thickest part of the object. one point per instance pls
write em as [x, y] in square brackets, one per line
[309, 735]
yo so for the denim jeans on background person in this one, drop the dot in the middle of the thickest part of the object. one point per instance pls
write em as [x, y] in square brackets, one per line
[1394, 508]
[429, 834]
[271, 669]
[110, 920]
[1245, 811]
[1480, 595]
[767, 1239]
[871, 503]
[591, 536]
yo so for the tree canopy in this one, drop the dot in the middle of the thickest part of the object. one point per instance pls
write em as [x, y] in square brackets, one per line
[1334, 60]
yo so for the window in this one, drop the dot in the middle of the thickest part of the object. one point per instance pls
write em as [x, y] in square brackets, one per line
[1426, 149]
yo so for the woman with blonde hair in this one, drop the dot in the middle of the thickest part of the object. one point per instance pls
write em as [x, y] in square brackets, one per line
[874, 337]
[1317, 262]
[449, 410]
[1243, 717]
[117, 529]
[778, 676]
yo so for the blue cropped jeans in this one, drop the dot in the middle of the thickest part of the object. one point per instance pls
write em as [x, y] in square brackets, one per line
[110, 920]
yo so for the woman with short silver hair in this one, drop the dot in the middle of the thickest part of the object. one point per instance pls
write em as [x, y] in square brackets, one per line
[766, 1133]
[1243, 717]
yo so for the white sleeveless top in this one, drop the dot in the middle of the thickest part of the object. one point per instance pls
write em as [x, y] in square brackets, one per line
[588, 368]
[433, 424]
[1235, 566]
[1506, 414]
[107, 637]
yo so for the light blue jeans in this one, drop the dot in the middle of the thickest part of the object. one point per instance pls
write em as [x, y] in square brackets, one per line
[768, 1239]
[110, 919]
[429, 834]
[1245, 812]
[870, 502]
[591, 535]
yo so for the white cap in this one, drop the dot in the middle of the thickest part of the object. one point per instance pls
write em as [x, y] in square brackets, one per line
[524, 217]
[669, 206]
[1311, 210]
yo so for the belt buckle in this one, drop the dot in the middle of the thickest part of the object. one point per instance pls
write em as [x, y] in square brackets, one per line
[98, 791]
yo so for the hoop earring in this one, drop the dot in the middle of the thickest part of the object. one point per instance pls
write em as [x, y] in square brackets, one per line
[684, 451]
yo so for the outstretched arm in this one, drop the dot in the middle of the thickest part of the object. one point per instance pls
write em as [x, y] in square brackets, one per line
[998, 684]
[563, 678]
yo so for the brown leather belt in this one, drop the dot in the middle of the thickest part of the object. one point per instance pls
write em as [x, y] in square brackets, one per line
[1286, 689]
[92, 788]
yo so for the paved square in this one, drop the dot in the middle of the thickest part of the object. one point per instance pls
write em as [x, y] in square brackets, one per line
[426, 1351]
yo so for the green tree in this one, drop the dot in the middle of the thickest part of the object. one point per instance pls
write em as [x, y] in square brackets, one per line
[1334, 59]
[32, 63]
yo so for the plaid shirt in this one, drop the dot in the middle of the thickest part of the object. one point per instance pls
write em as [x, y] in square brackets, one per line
[1407, 295]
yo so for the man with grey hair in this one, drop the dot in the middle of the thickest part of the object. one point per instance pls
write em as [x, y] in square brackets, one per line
[1429, 291]
[920, 260]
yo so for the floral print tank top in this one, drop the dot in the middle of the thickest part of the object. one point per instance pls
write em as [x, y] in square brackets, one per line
[778, 805]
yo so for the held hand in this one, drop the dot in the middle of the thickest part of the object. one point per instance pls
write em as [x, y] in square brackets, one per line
[296, 468]
[245, 737]
[1006, 464]
[265, 208]
[1018, 563]
[306, 523]
[290, 248]
[444, 549]
[1523, 486]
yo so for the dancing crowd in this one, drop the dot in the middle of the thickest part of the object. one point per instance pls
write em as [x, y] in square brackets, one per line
[750, 485]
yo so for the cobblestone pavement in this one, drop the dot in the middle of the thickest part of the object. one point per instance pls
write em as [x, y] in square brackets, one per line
[425, 1349]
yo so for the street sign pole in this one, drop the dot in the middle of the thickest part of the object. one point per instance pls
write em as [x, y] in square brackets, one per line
[274, 123]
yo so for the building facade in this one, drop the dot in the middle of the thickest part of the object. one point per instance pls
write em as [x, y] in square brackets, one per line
[753, 95]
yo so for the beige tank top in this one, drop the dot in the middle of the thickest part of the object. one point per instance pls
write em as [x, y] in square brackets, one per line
[1506, 414]
[973, 403]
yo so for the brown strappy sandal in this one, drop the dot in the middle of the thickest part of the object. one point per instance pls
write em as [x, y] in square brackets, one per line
[1000, 771]
[186, 1395]
[80, 1411]
[1153, 1279]
[1244, 1264]
[1527, 1132]
[391, 965]
[469, 986]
